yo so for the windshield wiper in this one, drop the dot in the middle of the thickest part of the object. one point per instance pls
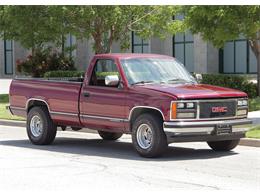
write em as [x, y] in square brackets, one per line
[182, 80]
[142, 82]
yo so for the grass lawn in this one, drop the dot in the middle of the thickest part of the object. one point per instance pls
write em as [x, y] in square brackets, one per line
[4, 114]
[254, 104]
[254, 133]
[4, 98]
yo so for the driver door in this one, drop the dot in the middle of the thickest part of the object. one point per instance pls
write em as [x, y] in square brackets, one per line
[102, 106]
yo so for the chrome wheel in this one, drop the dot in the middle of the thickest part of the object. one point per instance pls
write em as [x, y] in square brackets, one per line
[36, 126]
[144, 136]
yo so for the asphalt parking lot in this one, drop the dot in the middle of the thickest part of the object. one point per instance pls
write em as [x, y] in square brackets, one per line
[84, 161]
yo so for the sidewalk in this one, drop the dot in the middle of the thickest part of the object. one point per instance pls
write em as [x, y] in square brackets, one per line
[255, 117]
[4, 86]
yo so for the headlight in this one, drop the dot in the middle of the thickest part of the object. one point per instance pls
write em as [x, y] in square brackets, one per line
[242, 107]
[185, 105]
[242, 103]
[180, 105]
[183, 110]
[242, 112]
[190, 105]
[186, 115]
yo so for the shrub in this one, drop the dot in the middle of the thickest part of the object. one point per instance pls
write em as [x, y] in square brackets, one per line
[231, 81]
[102, 75]
[44, 60]
[60, 74]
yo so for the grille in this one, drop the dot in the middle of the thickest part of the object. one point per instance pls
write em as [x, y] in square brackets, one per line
[206, 109]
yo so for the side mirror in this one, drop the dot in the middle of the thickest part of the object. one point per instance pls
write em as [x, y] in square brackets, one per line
[198, 77]
[111, 80]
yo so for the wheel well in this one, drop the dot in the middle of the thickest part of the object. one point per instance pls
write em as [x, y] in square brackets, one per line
[139, 111]
[33, 103]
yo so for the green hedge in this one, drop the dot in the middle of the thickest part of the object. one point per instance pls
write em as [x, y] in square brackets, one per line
[64, 74]
[102, 75]
[231, 81]
[59, 74]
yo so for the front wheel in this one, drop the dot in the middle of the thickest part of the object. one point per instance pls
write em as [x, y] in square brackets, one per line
[40, 128]
[226, 145]
[148, 136]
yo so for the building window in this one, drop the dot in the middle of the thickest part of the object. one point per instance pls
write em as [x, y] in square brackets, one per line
[139, 45]
[8, 55]
[183, 49]
[69, 45]
[237, 58]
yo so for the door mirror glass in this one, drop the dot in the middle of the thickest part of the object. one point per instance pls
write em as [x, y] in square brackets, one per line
[112, 80]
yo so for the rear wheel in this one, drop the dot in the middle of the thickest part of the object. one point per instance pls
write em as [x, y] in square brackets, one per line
[109, 135]
[40, 128]
[226, 145]
[148, 136]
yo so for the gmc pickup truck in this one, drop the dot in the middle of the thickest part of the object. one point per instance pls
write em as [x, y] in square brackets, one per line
[153, 97]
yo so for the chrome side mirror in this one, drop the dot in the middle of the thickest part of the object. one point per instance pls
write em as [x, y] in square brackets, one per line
[198, 77]
[111, 80]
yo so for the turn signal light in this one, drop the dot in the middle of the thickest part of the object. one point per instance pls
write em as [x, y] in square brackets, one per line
[173, 110]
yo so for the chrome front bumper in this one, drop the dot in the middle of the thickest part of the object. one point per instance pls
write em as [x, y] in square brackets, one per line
[205, 127]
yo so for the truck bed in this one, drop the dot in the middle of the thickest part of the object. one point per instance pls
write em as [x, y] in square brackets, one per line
[62, 98]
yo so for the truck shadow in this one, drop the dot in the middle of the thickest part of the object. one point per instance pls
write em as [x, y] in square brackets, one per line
[118, 149]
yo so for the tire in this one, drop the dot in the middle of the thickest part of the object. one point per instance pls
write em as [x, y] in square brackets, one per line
[109, 135]
[40, 128]
[148, 137]
[226, 145]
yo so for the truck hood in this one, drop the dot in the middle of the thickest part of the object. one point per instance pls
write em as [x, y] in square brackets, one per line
[194, 91]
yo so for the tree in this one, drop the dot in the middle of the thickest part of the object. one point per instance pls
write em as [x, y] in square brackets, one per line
[219, 24]
[32, 26]
[107, 24]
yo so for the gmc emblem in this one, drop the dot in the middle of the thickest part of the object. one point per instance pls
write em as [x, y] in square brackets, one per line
[218, 109]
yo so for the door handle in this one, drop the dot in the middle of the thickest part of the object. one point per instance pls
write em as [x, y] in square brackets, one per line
[86, 94]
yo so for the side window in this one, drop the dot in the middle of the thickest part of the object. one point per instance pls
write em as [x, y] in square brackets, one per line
[103, 67]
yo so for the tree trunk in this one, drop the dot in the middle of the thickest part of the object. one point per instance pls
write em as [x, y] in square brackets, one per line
[63, 45]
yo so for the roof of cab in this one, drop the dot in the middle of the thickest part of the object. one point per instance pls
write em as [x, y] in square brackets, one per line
[132, 55]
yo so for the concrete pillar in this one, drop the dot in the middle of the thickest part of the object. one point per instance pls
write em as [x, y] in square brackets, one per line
[84, 54]
[213, 59]
[200, 55]
[161, 46]
[116, 48]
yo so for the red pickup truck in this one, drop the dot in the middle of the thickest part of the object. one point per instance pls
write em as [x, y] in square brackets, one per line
[150, 96]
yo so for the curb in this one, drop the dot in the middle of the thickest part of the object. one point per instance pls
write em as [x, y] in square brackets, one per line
[243, 142]
[250, 142]
[12, 123]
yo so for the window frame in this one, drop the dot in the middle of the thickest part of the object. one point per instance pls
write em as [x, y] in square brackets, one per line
[142, 44]
[184, 42]
[93, 69]
[221, 58]
[5, 58]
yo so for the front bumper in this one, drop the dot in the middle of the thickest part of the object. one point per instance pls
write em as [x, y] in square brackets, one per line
[205, 130]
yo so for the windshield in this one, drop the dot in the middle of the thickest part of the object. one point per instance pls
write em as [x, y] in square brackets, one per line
[155, 70]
